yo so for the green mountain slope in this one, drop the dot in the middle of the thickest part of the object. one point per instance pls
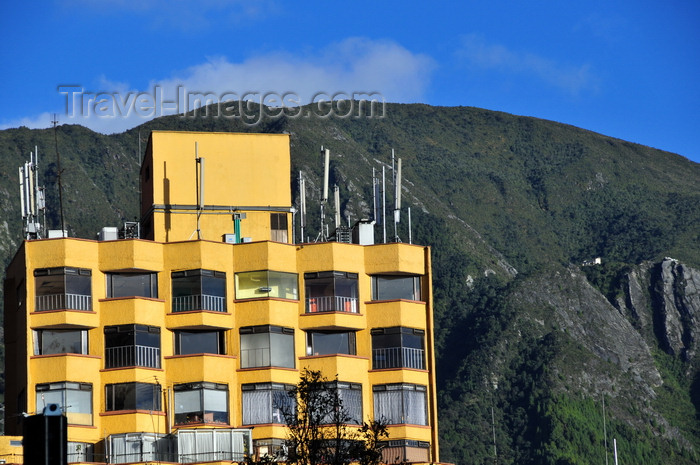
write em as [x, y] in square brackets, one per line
[529, 344]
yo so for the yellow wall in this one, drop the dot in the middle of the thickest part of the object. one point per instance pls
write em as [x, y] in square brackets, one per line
[240, 171]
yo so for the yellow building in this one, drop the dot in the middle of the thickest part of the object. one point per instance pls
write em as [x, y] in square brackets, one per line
[178, 346]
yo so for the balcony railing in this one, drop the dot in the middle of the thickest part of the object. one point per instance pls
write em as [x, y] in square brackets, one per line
[63, 302]
[398, 357]
[332, 303]
[188, 303]
[129, 356]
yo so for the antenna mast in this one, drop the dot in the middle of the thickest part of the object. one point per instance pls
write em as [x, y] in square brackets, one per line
[324, 199]
[302, 204]
[397, 199]
[32, 201]
[199, 168]
[336, 198]
[59, 172]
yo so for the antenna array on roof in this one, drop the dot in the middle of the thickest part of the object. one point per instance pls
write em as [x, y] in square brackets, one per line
[32, 200]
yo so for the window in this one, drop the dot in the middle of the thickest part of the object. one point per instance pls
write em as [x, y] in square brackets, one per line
[132, 284]
[398, 347]
[387, 287]
[199, 290]
[400, 404]
[266, 403]
[80, 452]
[132, 396]
[350, 395]
[278, 227]
[60, 341]
[267, 346]
[265, 283]
[405, 451]
[199, 342]
[331, 291]
[201, 403]
[63, 288]
[74, 398]
[330, 342]
[132, 346]
[138, 447]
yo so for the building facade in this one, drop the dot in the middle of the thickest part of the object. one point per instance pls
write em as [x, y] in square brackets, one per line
[181, 346]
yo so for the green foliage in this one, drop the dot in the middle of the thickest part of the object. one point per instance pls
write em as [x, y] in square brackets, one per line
[317, 427]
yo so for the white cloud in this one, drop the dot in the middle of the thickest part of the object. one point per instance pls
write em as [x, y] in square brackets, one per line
[355, 65]
[573, 79]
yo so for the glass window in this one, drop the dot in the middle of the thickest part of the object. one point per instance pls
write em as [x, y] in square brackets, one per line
[331, 291]
[199, 290]
[132, 345]
[266, 403]
[74, 398]
[386, 287]
[199, 342]
[400, 404]
[398, 347]
[201, 403]
[330, 342]
[266, 283]
[132, 284]
[278, 227]
[267, 346]
[60, 341]
[132, 396]
[350, 397]
[63, 288]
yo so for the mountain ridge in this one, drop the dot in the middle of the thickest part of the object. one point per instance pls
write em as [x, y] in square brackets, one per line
[511, 207]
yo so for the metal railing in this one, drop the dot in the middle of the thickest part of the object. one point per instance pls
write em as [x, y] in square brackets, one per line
[398, 357]
[188, 303]
[332, 303]
[63, 302]
[134, 355]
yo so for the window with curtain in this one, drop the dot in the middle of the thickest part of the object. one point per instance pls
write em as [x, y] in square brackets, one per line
[75, 400]
[278, 227]
[400, 404]
[266, 403]
[63, 288]
[201, 403]
[350, 395]
[267, 346]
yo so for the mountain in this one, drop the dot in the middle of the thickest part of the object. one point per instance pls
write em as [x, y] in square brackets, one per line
[537, 354]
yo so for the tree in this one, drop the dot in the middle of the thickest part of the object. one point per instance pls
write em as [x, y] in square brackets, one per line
[318, 431]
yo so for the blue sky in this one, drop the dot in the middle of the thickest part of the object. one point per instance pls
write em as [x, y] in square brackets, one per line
[628, 69]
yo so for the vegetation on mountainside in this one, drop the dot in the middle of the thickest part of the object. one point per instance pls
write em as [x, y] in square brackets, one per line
[487, 190]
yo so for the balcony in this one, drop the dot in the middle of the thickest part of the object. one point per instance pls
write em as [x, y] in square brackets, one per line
[63, 301]
[332, 303]
[189, 303]
[398, 357]
[132, 355]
